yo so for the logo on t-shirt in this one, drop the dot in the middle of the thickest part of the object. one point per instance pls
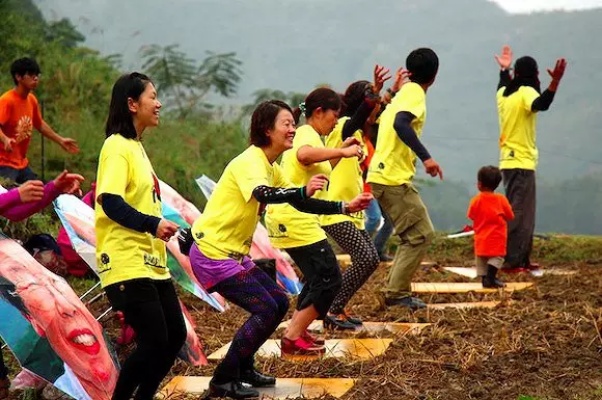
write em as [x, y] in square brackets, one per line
[381, 165]
[23, 129]
[156, 189]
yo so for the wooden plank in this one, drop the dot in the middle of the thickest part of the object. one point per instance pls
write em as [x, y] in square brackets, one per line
[370, 327]
[469, 272]
[464, 306]
[464, 287]
[285, 387]
[359, 349]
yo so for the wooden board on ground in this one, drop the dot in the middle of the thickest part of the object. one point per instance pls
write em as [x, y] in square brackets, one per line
[464, 306]
[464, 287]
[370, 327]
[469, 272]
[345, 259]
[358, 349]
[285, 387]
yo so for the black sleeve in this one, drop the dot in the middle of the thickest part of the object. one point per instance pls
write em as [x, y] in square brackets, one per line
[121, 212]
[408, 136]
[266, 194]
[543, 102]
[504, 79]
[359, 118]
[316, 206]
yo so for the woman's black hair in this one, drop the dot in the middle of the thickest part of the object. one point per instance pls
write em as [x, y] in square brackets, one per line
[264, 119]
[526, 73]
[353, 97]
[120, 118]
[324, 98]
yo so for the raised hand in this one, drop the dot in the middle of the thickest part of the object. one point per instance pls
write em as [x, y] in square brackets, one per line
[505, 60]
[68, 183]
[402, 76]
[558, 71]
[31, 191]
[316, 182]
[381, 75]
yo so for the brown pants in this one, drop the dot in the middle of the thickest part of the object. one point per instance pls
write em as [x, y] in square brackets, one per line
[413, 225]
[520, 191]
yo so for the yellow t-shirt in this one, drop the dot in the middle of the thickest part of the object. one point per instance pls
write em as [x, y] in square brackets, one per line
[393, 162]
[225, 230]
[123, 254]
[345, 179]
[288, 227]
[517, 128]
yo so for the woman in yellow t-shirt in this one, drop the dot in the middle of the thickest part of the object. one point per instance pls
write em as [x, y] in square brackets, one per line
[346, 182]
[300, 234]
[223, 236]
[131, 238]
[519, 100]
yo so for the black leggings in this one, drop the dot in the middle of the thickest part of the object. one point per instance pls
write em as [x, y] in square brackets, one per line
[152, 309]
[364, 260]
[3, 369]
[254, 291]
[321, 274]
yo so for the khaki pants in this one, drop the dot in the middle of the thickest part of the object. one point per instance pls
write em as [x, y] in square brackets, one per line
[413, 225]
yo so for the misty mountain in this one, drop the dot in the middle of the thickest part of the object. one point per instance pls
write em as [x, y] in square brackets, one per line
[294, 45]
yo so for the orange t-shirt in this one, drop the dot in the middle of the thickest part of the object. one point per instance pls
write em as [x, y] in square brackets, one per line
[490, 212]
[369, 150]
[18, 117]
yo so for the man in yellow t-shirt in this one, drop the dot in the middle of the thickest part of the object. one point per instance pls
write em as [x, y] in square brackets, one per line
[518, 101]
[392, 170]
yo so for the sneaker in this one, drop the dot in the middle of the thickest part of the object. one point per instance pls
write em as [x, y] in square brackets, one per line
[413, 303]
[319, 340]
[256, 378]
[339, 321]
[352, 319]
[300, 346]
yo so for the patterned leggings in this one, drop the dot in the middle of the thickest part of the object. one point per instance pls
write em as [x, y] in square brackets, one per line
[254, 291]
[364, 260]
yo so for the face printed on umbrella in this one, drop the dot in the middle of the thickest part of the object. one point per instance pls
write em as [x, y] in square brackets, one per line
[55, 312]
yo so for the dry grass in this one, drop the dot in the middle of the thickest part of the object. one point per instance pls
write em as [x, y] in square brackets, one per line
[545, 344]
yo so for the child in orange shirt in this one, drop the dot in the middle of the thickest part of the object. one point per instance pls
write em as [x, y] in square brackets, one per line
[490, 212]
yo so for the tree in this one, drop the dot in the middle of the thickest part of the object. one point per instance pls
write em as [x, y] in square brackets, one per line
[291, 98]
[185, 84]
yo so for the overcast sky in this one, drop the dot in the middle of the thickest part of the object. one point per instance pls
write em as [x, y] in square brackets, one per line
[525, 6]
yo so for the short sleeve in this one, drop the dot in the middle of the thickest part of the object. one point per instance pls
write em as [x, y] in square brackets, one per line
[5, 110]
[37, 115]
[248, 176]
[528, 97]
[412, 99]
[113, 169]
[472, 209]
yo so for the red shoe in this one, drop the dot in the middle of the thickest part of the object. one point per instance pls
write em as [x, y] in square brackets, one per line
[300, 346]
[318, 340]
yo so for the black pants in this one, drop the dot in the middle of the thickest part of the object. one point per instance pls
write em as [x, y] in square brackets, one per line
[3, 369]
[321, 274]
[152, 309]
[520, 191]
[364, 260]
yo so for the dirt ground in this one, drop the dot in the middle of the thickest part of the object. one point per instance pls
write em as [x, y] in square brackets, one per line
[540, 343]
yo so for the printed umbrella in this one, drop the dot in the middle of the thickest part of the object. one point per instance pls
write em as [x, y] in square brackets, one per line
[49, 329]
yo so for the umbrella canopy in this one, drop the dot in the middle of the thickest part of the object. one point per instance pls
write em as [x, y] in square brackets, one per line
[48, 328]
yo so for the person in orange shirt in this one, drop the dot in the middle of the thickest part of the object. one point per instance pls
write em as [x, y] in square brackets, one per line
[19, 114]
[490, 213]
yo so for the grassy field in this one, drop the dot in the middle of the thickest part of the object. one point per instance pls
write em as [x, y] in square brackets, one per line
[542, 343]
